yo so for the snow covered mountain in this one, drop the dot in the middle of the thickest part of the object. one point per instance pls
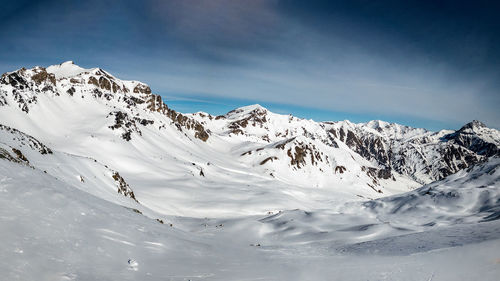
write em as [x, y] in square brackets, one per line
[106, 167]
[90, 113]
[391, 150]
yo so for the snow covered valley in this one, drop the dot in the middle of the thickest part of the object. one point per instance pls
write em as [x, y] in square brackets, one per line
[100, 180]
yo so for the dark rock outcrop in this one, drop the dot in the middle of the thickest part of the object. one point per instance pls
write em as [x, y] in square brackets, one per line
[123, 187]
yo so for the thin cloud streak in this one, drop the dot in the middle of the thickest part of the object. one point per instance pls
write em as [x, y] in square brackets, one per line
[416, 59]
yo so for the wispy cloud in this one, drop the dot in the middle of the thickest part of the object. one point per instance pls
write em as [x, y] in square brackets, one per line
[412, 58]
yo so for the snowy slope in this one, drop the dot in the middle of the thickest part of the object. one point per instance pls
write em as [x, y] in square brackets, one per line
[466, 203]
[81, 172]
[53, 231]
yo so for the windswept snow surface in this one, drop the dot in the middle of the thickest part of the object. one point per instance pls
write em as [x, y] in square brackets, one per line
[66, 69]
[53, 231]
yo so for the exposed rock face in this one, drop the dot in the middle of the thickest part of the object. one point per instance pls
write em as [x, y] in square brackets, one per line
[256, 117]
[6, 155]
[20, 155]
[41, 76]
[271, 158]
[425, 156]
[128, 125]
[376, 174]
[155, 103]
[143, 89]
[384, 174]
[340, 169]
[26, 84]
[123, 187]
[92, 80]
[299, 153]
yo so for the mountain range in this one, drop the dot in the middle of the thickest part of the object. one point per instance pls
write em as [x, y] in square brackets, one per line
[375, 156]
[118, 142]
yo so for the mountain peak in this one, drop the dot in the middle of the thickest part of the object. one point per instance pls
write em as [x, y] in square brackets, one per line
[245, 110]
[253, 107]
[66, 69]
[374, 124]
[475, 124]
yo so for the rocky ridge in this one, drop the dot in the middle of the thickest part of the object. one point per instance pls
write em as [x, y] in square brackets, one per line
[23, 87]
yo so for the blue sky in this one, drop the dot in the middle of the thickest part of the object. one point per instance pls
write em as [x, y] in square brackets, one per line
[432, 64]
